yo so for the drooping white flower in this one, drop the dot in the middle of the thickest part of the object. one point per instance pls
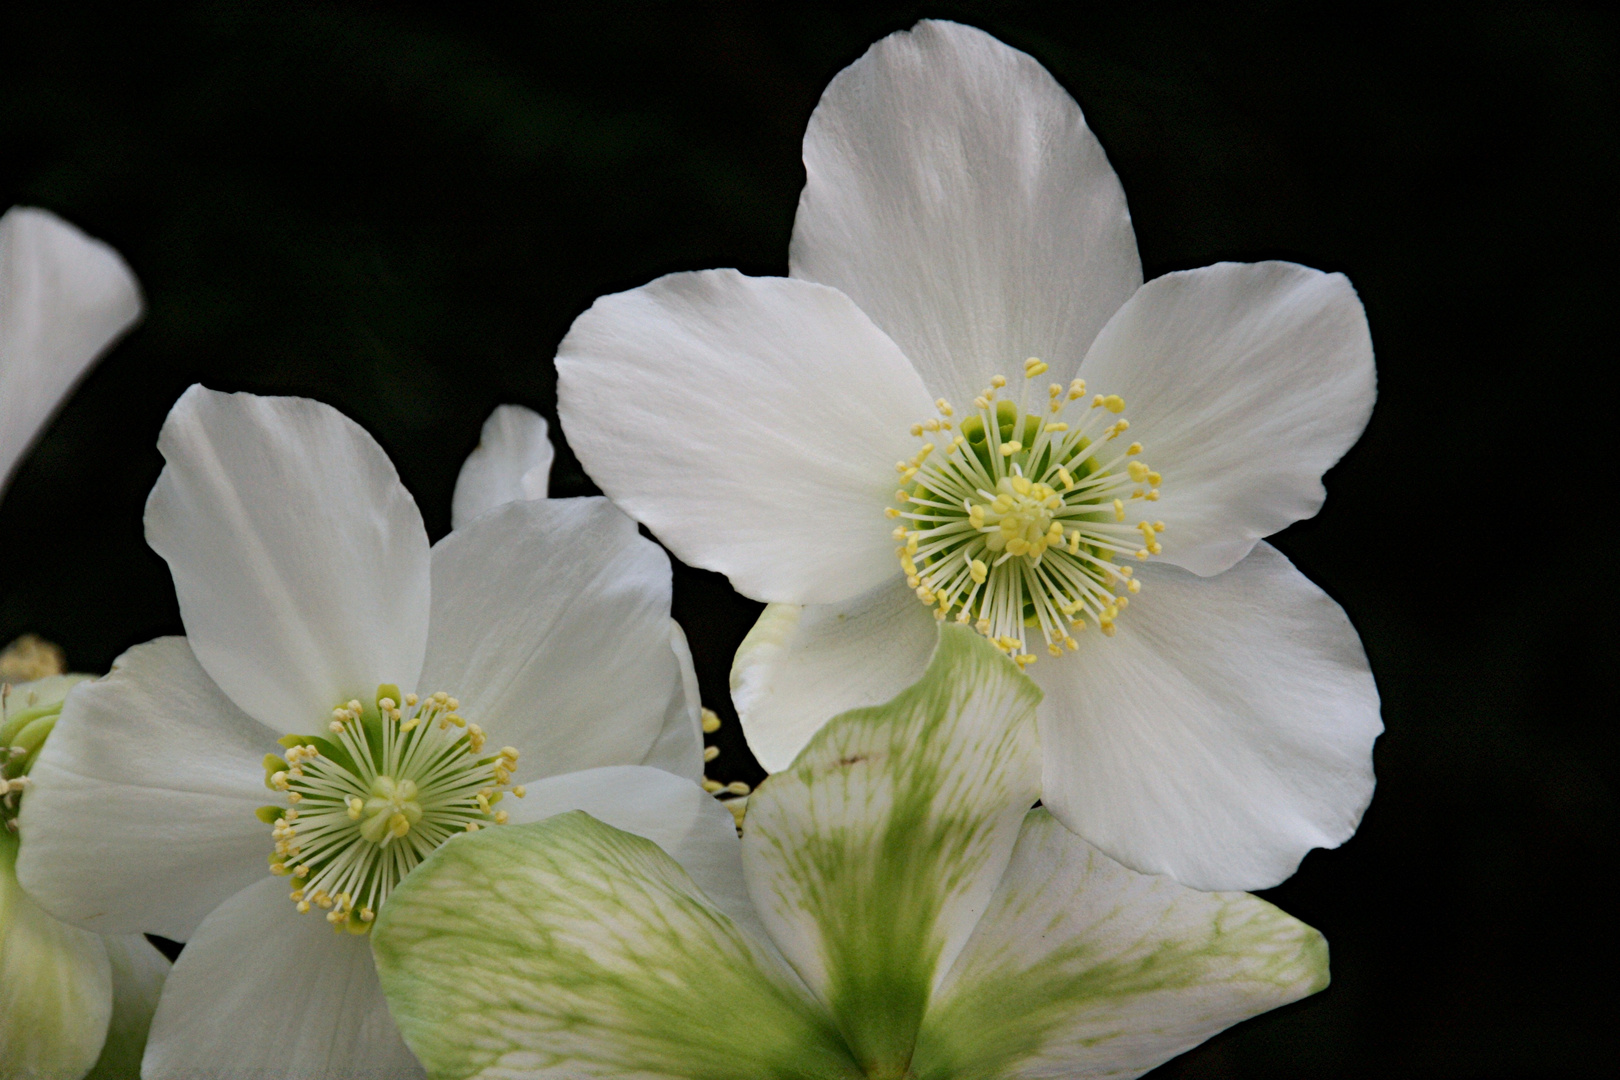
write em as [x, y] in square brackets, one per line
[894, 909]
[386, 694]
[966, 376]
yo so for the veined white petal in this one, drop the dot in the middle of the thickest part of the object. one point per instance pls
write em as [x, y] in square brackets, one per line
[1082, 968]
[568, 948]
[801, 666]
[1245, 382]
[262, 990]
[551, 625]
[955, 193]
[64, 298]
[140, 818]
[512, 461]
[679, 746]
[752, 423]
[138, 971]
[299, 559]
[873, 855]
[1224, 731]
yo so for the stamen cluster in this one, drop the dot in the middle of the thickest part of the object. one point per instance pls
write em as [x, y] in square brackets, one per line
[24, 725]
[1016, 523]
[395, 779]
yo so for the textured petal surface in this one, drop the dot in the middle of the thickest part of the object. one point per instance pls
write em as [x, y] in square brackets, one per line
[1081, 968]
[551, 625]
[752, 423]
[138, 971]
[955, 193]
[1245, 382]
[571, 949]
[55, 986]
[299, 559]
[873, 855]
[63, 299]
[679, 746]
[801, 666]
[262, 991]
[512, 461]
[1222, 733]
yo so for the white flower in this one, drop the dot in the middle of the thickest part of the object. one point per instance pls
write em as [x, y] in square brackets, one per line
[966, 317]
[894, 909]
[414, 687]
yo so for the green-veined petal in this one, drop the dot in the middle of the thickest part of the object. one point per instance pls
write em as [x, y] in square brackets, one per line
[138, 971]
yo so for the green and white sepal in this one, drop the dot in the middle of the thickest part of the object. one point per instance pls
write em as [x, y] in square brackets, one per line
[911, 917]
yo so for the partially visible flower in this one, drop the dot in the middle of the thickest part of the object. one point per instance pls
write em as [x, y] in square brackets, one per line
[965, 405]
[387, 694]
[895, 909]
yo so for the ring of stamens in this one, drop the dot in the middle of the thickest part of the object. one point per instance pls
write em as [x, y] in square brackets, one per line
[389, 782]
[1014, 519]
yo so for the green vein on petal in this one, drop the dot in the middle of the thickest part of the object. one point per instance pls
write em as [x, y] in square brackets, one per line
[570, 948]
[872, 855]
[1083, 968]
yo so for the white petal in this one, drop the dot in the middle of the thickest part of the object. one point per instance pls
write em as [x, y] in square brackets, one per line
[551, 625]
[138, 971]
[752, 423]
[1223, 732]
[801, 666]
[512, 461]
[299, 560]
[955, 193]
[677, 815]
[140, 818]
[1244, 382]
[64, 298]
[55, 986]
[1084, 969]
[679, 746]
[871, 858]
[262, 990]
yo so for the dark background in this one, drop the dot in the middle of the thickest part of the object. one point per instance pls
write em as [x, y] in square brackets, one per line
[399, 210]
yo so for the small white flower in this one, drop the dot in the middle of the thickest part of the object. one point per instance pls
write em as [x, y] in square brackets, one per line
[966, 375]
[380, 695]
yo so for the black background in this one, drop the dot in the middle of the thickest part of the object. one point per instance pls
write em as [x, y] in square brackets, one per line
[399, 210]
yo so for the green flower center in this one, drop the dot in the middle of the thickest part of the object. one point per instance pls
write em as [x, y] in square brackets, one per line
[393, 780]
[1016, 523]
[26, 720]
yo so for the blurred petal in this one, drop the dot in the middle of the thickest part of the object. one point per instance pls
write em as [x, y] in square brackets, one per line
[138, 971]
[679, 746]
[753, 424]
[512, 461]
[299, 559]
[1081, 968]
[953, 191]
[64, 298]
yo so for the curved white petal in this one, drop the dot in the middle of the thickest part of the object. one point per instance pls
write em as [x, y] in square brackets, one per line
[679, 746]
[138, 971]
[955, 193]
[801, 666]
[752, 423]
[512, 461]
[140, 818]
[1223, 732]
[551, 625]
[299, 559]
[55, 986]
[873, 856]
[1084, 969]
[262, 990]
[1244, 382]
[685, 821]
[64, 298]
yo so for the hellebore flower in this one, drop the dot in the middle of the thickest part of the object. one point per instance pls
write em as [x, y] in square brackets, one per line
[897, 910]
[409, 678]
[966, 317]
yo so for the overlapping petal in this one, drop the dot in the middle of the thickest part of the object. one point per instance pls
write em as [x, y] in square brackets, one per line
[299, 559]
[1246, 382]
[679, 745]
[138, 971]
[953, 191]
[1223, 732]
[752, 423]
[512, 461]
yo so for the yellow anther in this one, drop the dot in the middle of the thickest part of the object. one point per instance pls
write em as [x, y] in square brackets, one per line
[944, 406]
[710, 753]
[500, 817]
[931, 424]
[1059, 426]
[1139, 472]
[891, 513]
[711, 721]
[1114, 404]
[1134, 586]
[982, 402]
[1033, 367]
[978, 570]
[472, 826]
[1066, 479]
[1054, 391]
[1008, 449]
[1054, 648]
[1077, 389]
[1134, 448]
[520, 791]
[1119, 510]
[998, 381]
[916, 429]
[1152, 496]
[410, 700]
[1142, 553]
[901, 495]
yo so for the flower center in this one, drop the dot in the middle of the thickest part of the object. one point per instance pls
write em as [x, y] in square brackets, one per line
[392, 780]
[25, 721]
[1016, 523]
